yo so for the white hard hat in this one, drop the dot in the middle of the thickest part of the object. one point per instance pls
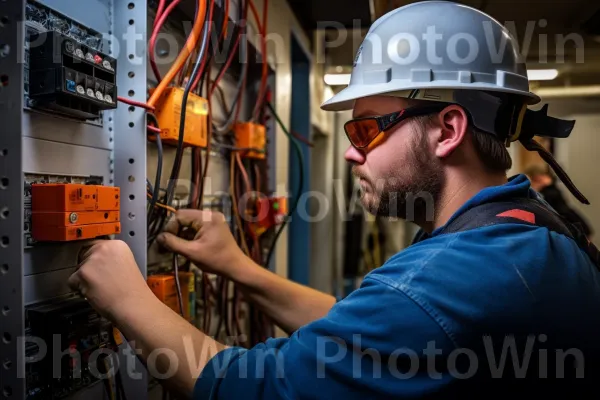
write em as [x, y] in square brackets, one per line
[435, 45]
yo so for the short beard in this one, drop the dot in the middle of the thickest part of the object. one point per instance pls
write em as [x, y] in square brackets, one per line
[414, 186]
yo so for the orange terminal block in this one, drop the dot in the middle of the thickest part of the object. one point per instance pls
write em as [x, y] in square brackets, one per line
[168, 114]
[251, 135]
[165, 289]
[68, 212]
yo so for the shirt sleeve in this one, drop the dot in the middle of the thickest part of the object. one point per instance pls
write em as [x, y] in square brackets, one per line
[373, 344]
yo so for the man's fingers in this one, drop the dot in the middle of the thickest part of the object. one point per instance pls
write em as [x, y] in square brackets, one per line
[76, 284]
[186, 218]
[176, 244]
[86, 251]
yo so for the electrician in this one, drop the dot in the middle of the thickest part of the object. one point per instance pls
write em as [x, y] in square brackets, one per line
[495, 297]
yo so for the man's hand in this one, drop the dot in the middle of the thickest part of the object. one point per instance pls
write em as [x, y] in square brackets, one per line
[110, 279]
[212, 247]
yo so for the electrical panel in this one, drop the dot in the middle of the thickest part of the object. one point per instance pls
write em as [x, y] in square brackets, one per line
[251, 136]
[72, 170]
[168, 114]
[74, 167]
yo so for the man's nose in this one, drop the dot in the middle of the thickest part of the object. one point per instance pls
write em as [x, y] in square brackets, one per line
[354, 155]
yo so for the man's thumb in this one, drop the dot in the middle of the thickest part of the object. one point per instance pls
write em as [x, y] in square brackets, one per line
[175, 244]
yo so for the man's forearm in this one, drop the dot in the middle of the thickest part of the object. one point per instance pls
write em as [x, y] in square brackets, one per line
[164, 339]
[289, 304]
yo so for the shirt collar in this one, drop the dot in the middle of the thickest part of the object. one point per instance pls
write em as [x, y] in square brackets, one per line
[517, 186]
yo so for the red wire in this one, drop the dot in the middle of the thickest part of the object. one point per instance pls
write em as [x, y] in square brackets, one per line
[262, 27]
[259, 25]
[302, 139]
[159, 10]
[157, 27]
[227, 64]
[238, 107]
[135, 103]
[153, 129]
[265, 59]
[208, 32]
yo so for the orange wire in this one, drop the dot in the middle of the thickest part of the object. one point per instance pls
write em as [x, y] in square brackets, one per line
[170, 209]
[258, 182]
[245, 176]
[226, 21]
[190, 45]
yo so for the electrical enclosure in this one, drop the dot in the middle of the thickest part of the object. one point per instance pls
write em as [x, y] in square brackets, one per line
[65, 137]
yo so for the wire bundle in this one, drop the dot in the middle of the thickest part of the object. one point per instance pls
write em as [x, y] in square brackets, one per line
[198, 70]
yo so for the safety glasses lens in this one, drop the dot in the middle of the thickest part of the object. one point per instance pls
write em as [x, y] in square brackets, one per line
[362, 132]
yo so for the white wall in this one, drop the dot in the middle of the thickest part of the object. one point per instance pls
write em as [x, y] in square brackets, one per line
[578, 155]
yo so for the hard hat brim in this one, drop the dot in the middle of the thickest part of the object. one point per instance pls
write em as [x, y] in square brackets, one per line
[344, 100]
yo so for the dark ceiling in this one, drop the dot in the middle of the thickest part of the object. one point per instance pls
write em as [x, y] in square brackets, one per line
[346, 12]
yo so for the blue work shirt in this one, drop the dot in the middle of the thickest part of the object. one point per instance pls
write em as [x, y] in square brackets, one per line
[499, 311]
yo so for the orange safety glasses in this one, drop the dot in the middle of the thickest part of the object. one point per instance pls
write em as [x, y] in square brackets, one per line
[362, 131]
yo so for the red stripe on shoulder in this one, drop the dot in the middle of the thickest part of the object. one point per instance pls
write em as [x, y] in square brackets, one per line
[519, 214]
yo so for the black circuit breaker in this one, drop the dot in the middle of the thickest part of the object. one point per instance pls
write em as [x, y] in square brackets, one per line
[69, 77]
[73, 336]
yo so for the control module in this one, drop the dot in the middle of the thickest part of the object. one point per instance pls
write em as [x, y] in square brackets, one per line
[70, 77]
[65, 69]
[67, 211]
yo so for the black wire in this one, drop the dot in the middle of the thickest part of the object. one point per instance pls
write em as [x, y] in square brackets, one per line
[159, 166]
[107, 387]
[186, 93]
[168, 200]
[120, 388]
[178, 283]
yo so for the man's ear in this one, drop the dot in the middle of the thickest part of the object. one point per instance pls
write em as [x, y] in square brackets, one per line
[454, 123]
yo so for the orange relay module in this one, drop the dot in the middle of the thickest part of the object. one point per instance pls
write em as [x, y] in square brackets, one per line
[67, 212]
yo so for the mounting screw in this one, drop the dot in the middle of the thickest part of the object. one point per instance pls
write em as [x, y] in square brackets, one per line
[69, 46]
[73, 218]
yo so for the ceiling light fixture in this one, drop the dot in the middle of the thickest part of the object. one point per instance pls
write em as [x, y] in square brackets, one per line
[568, 91]
[542, 74]
[337, 79]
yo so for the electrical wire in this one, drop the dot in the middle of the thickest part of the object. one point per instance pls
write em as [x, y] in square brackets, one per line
[236, 213]
[182, 120]
[298, 150]
[225, 20]
[159, 21]
[159, 10]
[242, 149]
[265, 64]
[120, 387]
[178, 283]
[208, 148]
[135, 103]
[159, 166]
[190, 45]
[163, 206]
[207, 32]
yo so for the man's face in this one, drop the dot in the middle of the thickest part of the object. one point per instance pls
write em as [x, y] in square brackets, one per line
[399, 175]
